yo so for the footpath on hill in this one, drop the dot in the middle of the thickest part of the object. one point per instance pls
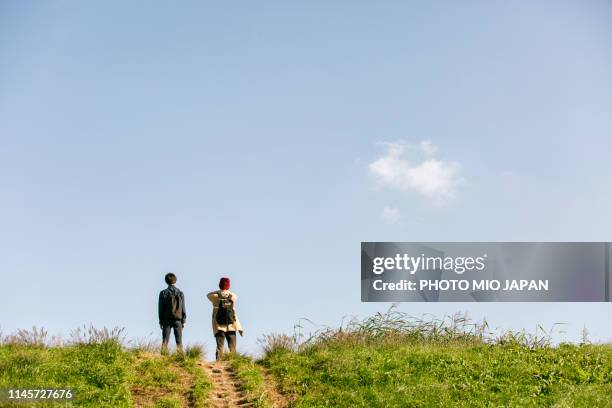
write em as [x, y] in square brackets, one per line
[226, 388]
[240, 382]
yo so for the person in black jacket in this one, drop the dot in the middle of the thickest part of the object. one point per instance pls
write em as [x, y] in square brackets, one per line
[172, 314]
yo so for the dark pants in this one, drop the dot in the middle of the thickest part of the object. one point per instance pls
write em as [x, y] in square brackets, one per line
[178, 334]
[221, 336]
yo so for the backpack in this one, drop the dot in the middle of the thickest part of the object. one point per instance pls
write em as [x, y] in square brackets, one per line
[225, 312]
[177, 305]
[172, 308]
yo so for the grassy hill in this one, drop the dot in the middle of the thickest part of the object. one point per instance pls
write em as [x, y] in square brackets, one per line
[390, 372]
[102, 372]
[388, 360]
[391, 360]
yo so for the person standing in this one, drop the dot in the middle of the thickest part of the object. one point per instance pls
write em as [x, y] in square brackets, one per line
[172, 313]
[225, 321]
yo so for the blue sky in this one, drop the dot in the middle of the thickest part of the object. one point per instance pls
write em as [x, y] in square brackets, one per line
[241, 140]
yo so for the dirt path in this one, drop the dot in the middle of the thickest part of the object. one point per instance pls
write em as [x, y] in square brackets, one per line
[226, 387]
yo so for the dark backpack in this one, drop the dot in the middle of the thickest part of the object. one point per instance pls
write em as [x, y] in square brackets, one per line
[225, 312]
[172, 305]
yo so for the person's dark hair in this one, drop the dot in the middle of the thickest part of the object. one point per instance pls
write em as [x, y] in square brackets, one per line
[170, 278]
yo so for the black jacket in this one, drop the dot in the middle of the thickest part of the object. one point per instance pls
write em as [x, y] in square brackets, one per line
[169, 312]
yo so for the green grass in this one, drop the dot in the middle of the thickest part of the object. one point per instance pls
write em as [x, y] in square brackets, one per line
[201, 385]
[97, 373]
[389, 362]
[106, 374]
[252, 380]
[393, 374]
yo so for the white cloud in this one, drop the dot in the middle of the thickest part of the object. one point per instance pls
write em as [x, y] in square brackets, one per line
[390, 215]
[434, 179]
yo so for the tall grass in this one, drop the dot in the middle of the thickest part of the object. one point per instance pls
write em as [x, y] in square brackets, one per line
[34, 337]
[395, 325]
[92, 335]
[39, 337]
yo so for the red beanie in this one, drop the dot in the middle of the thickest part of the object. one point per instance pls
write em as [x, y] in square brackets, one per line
[224, 284]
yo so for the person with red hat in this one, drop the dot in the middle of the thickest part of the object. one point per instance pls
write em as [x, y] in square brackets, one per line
[225, 321]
